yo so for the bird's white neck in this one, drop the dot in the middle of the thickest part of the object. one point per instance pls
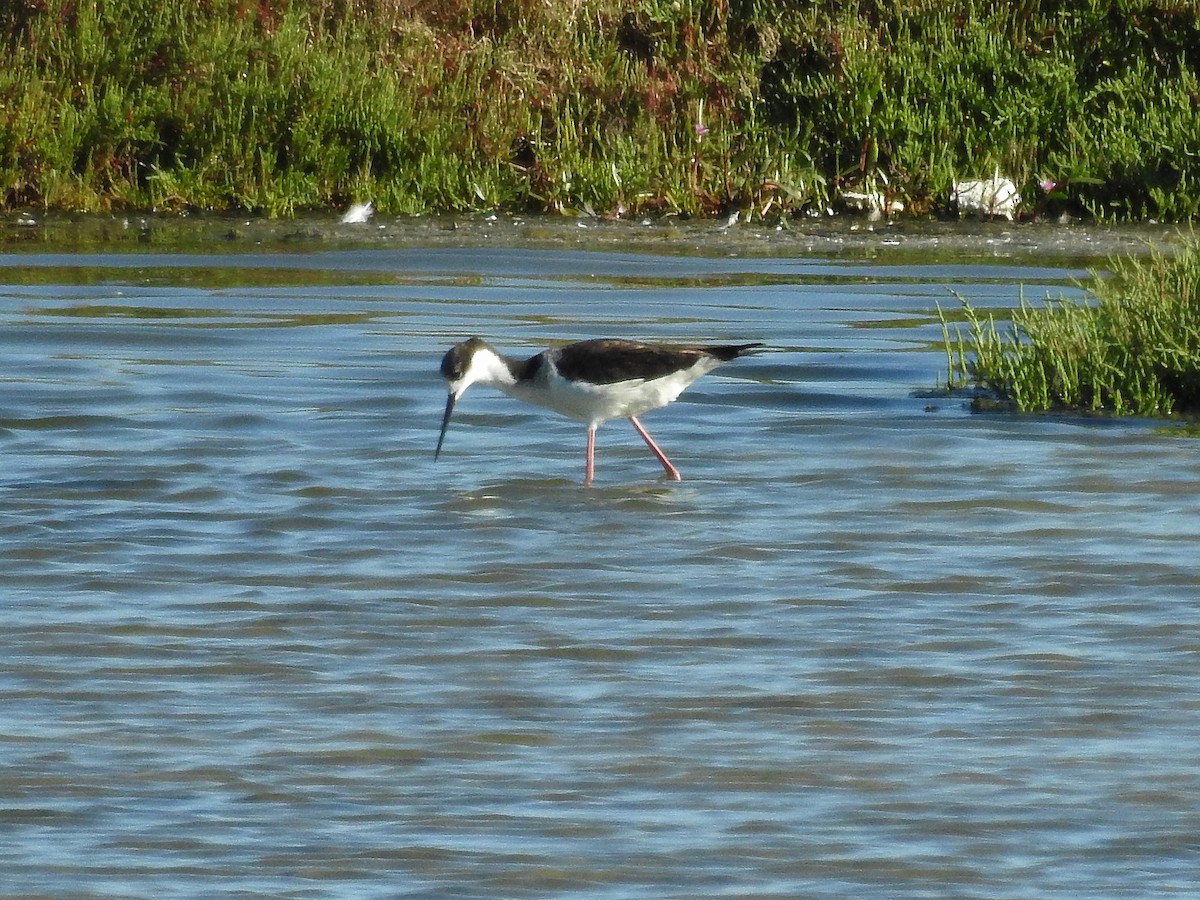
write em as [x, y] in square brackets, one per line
[488, 367]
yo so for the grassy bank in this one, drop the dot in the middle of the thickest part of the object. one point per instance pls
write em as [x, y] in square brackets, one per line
[1135, 350]
[614, 106]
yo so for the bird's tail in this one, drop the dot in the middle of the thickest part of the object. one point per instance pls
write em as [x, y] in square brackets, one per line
[726, 352]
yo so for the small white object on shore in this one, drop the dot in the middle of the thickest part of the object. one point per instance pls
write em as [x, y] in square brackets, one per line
[358, 213]
[995, 196]
[874, 203]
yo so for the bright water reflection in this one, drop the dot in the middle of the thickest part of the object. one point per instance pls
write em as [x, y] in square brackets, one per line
[257, 642]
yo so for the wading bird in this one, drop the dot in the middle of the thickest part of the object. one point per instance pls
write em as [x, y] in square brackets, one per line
[589, 381]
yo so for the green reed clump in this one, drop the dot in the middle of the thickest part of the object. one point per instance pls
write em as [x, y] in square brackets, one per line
[1134, 350]
[611, 106]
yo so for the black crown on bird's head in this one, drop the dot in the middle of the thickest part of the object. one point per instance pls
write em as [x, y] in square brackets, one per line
[458, 358]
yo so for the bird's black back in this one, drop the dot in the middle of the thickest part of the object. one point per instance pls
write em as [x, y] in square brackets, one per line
[609, 360]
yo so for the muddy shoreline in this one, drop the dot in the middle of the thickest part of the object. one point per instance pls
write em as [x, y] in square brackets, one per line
[842, 237]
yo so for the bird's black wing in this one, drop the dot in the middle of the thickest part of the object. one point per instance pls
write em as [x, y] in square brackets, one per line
[607, 360]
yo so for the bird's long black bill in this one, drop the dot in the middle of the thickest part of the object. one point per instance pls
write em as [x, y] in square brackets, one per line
[450, 401]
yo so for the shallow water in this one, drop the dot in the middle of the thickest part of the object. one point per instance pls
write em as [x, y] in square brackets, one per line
[257, 642]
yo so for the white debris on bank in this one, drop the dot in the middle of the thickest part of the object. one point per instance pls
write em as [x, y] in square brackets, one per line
[874, 203]
[994, 197]
[358, 213]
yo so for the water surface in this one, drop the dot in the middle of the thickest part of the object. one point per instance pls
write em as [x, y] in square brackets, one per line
[257, 642]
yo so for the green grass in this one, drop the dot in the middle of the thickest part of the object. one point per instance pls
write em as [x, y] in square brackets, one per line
[768, 107]
[1134, 350]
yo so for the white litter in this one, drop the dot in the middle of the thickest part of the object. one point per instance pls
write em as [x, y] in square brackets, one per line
[874, 203]
[994, 197]
[358, 213]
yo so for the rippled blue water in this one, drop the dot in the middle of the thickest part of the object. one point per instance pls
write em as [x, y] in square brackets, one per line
[256, 642]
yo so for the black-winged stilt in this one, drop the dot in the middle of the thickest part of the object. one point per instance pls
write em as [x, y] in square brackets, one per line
[589, 381]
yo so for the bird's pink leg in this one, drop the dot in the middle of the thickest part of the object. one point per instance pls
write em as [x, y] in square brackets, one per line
[590, 468]
[672, 472]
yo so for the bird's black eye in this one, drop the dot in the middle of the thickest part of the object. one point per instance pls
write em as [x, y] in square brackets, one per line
[453, 364]
[458, 358]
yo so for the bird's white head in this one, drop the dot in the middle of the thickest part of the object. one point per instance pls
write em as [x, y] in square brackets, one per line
[463, 365]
